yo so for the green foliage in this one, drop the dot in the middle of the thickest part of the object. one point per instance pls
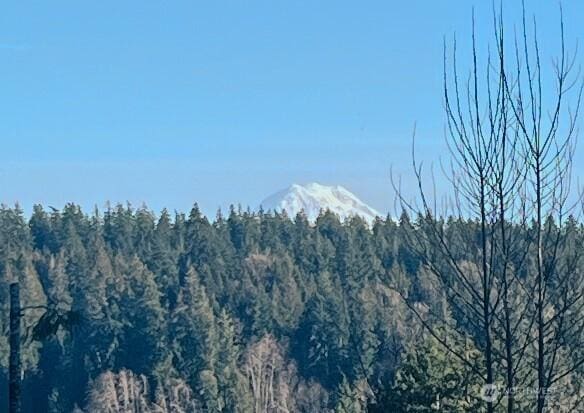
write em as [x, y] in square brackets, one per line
[351, 398]
[430, 378]
[178, 299]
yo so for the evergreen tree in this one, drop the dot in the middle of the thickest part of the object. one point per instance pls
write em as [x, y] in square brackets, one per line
[141, 315]
[195, 340]
[431, 379]
[231, 382]
[162, 260]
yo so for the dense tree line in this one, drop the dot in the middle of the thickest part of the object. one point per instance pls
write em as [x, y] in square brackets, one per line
[253, 312]
[476, 305]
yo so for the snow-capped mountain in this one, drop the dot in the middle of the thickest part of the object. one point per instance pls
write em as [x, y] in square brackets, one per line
[313, 197]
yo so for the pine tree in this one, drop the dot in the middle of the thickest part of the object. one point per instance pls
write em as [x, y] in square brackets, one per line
[163, 261]
[195, 340]
[431, 379]
[41, 230]
[141, 316]
[322, 340]
[231, 382]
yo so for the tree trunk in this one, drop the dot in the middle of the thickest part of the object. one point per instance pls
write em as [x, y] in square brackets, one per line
[14, 390]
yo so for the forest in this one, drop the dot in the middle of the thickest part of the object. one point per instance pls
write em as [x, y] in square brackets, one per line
[247, 311]
[471, 300]
[252, 312]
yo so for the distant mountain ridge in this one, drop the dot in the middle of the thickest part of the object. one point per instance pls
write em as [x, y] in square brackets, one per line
[314, 197]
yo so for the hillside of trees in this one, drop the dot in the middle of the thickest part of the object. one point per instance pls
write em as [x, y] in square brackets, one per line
[252, 312]
[471, 301]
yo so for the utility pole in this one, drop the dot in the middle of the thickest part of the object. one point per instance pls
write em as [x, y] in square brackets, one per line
[14, 370]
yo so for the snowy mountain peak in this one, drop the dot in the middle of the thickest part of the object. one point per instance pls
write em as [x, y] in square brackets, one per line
[313, 197]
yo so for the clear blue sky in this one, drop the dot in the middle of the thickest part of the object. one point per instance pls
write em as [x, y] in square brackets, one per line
[224, 102]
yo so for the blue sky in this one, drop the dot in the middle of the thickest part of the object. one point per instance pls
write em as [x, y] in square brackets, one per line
[224, 102]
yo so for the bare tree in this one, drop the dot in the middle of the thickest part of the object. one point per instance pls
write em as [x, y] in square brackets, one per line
[175, 396]
[480, 162]
[509, 173]
[126, 392]
[271, 379]
[548, 133]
